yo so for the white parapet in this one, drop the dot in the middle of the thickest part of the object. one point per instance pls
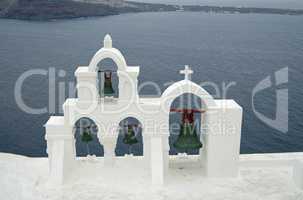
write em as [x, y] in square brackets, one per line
[298, 174]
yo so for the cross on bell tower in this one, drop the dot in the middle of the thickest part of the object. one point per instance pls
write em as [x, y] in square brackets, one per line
[187, 72]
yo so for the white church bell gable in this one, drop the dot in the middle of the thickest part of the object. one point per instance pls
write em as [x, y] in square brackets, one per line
[106, 106]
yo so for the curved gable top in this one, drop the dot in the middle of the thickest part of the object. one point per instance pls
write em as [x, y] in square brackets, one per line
[183, 87]
[108, 52]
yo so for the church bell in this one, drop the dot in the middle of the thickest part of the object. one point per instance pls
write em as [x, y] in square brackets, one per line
[187, 138]
[108, 87]
[130, 136]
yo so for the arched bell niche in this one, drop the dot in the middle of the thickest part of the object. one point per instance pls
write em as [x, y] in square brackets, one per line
[130, 137]
[86, 136]
[185, 125]
[107, 79]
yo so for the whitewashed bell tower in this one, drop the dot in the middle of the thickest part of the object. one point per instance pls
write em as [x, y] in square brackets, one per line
[221, 121]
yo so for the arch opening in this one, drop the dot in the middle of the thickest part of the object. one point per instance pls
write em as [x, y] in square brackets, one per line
[182, 87]
[107, 79]
[185, 125]
[86, 136]
[130, 140]
[110, 53]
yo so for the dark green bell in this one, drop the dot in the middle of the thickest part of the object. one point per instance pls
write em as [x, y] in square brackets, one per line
[187, 139]
[129, 137]
[108, 88]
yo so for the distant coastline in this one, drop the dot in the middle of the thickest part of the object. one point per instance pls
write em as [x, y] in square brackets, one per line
[67, 9]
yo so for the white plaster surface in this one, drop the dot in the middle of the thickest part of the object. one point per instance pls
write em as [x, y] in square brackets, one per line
[222, 122]
[23, 178]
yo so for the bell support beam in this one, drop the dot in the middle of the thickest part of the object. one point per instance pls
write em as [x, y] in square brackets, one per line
[187, 110]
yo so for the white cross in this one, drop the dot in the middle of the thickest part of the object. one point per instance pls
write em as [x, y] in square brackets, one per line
[187, 72]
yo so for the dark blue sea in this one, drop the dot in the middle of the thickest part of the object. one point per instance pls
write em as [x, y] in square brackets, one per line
[220, 48]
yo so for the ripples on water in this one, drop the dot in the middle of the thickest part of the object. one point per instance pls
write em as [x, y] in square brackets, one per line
[220, 48]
